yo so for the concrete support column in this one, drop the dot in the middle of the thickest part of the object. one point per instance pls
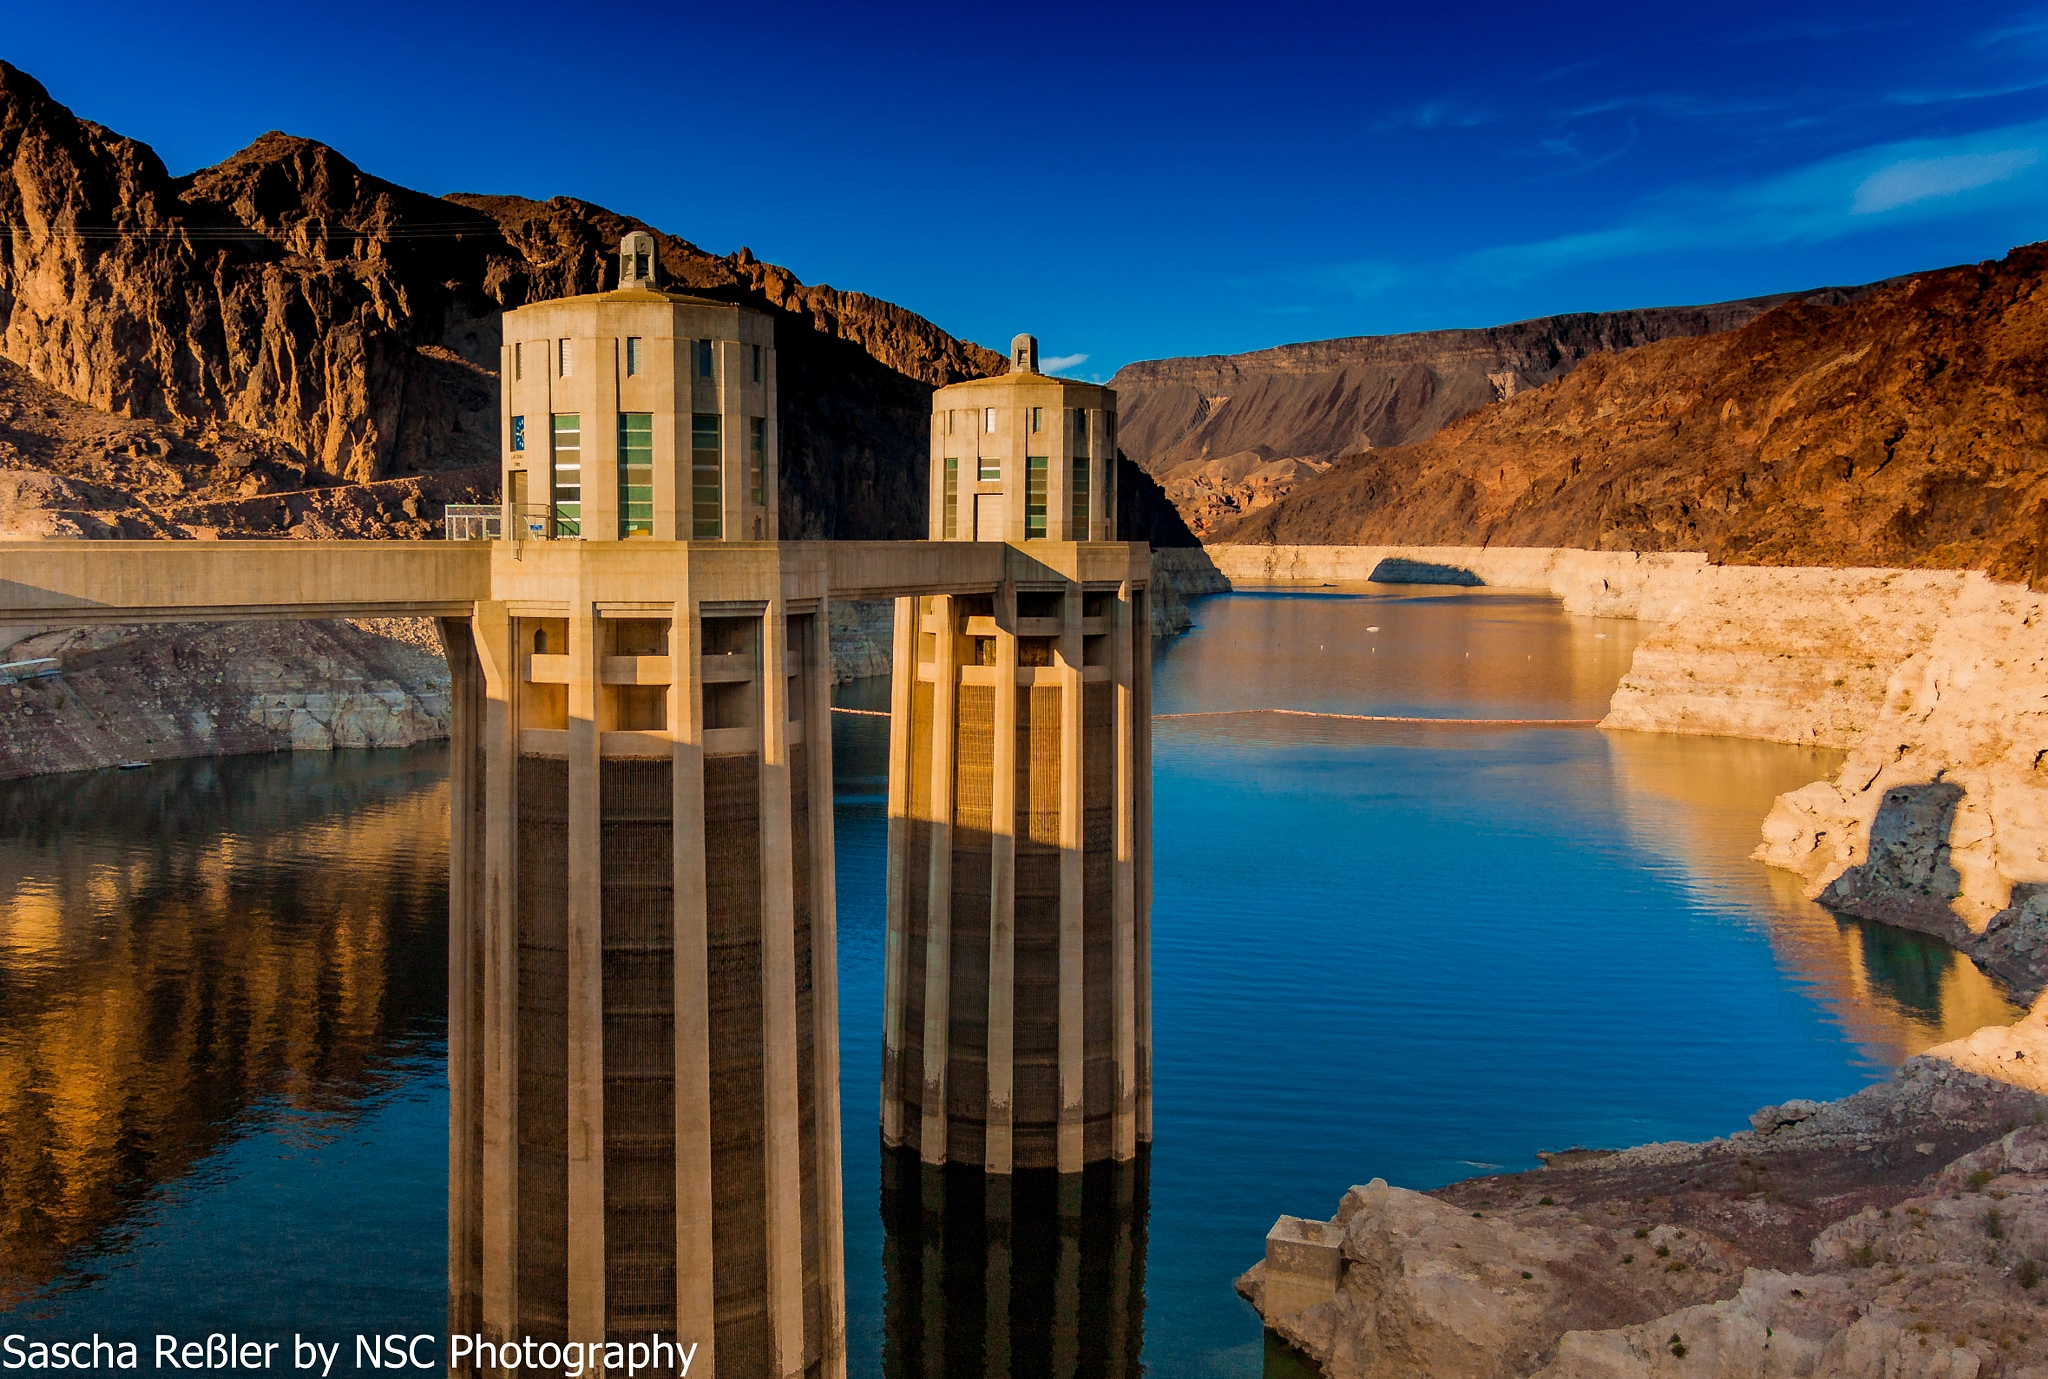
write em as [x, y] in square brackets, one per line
[497, 661]
[1072, 1049]
[695, 1313]
[466, 925]
[938, 962]
[1141, 652]
[1002, 927]
[782, 1147]
[895, 955]
[825, 992]
[586, 984]
[1123, 972]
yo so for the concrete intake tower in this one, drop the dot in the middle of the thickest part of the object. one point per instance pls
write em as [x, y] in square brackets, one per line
[1017, 1007]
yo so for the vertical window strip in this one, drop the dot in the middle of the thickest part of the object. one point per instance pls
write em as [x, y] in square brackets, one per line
[757, 363]
[703, 359]
[519, 433]
[636, 474]
[951, 530]
[1034, 497]
[565, 357]
[988, 419]
[707, 498]
[1080, 492]
[757, 461]
[633, 365]
[518, 360]
[568, 466]
[1109, 496]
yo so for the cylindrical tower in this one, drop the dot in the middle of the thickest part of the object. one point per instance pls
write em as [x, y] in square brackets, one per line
[643, 1050]
[1017, 1020]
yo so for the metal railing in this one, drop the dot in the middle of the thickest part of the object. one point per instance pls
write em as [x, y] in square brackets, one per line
[14, 671]
[489, 522]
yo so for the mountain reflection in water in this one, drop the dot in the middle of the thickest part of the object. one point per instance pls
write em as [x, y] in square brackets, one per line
[192, 951]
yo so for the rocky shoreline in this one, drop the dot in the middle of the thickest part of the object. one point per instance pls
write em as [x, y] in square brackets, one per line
[1902, 1232]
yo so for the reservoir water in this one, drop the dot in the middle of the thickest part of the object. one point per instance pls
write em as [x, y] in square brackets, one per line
[1410, 950]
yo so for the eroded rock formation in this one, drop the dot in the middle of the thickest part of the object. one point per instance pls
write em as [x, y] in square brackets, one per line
[1939, 819]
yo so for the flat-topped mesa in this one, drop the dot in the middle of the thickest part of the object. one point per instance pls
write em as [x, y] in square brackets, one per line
[1017, 1001]
[639, 413]
[1023, 457]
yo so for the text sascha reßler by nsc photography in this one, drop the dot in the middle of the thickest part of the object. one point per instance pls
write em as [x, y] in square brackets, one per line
[396, 1351]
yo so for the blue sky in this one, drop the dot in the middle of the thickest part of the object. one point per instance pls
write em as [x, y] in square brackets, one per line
[1132, 183]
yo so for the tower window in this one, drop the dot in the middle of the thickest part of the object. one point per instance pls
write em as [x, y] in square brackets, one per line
[988, 420]
[1080, 431]
[518, 361]
[707, 497]
[757, 363]
[1034, 497]
[632, 355]
[991, 470]
[567, 357]
[951, 528]
[568, 462]
[1037, 416]
[1079, 489]
[636, 474]
[519, 433]
[757, 460]
[703, 359]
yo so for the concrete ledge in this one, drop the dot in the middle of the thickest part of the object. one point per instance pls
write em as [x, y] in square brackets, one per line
[1304, 1265]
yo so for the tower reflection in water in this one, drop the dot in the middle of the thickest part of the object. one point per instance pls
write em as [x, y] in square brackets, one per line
[1034, 1276]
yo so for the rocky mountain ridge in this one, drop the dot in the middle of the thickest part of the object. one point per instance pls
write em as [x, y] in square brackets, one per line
[1907, 427]
[1230, 434]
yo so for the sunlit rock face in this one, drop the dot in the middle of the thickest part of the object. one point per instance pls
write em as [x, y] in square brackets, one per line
[1939, 818]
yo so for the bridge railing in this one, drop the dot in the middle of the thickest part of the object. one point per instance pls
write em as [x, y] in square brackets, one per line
[495, 522]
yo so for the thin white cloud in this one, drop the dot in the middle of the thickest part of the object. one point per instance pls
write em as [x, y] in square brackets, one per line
[1060, 363]
[1881, 185]
[1920, 179]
